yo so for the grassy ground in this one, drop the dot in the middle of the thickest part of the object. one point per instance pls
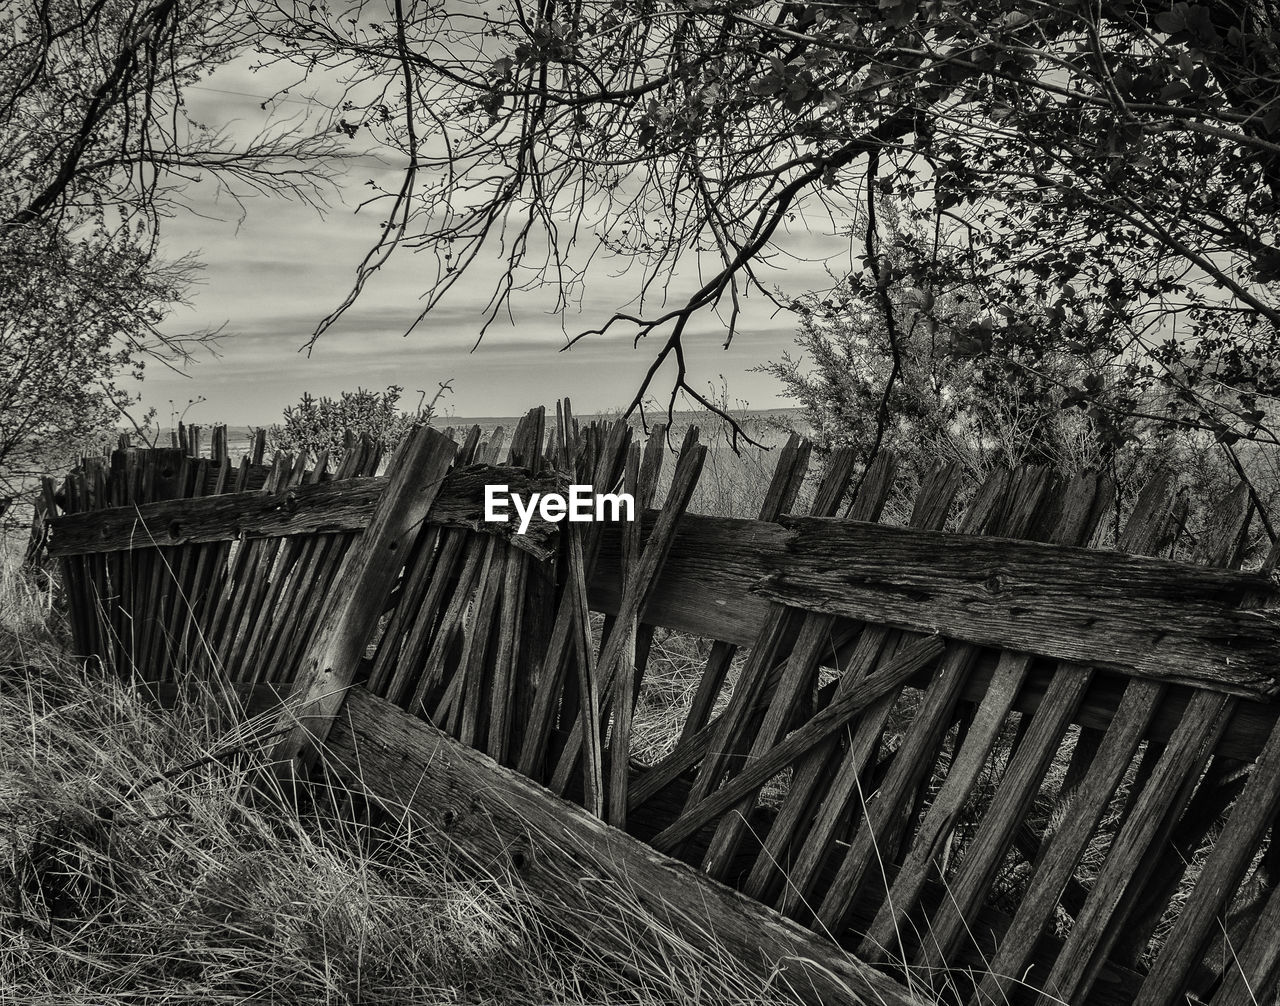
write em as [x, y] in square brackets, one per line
[145, 859]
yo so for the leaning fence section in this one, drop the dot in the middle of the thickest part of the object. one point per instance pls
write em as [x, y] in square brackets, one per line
[994, 762]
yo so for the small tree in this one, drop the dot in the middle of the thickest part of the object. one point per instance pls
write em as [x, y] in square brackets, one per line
[1019, 401]
[321, 424]
[97, 148]
[888, 361]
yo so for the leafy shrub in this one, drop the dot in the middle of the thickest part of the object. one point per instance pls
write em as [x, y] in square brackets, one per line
[321, 424]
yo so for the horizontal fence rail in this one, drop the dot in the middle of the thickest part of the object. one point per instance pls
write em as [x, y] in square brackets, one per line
[971, 758]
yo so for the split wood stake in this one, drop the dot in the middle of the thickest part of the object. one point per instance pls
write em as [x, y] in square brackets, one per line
[359, 594]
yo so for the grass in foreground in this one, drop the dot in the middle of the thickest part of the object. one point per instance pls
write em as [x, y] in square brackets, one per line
[144, 860]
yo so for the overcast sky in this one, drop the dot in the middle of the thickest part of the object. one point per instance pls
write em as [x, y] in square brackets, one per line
[269, 279]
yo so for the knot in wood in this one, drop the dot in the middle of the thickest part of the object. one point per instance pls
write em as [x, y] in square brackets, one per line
[993, 584]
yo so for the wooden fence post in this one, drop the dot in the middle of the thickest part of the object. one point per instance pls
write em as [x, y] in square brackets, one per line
[359, 595]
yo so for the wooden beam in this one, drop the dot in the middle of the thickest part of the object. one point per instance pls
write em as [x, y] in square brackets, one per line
[1164, 620]
[343, 505]
[359, 594]
[705, 584]
[562, 854]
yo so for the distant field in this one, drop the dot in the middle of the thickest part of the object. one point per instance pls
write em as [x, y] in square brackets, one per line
[763, 424]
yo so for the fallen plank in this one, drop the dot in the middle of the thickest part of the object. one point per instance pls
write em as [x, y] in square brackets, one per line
[326, 507]
[1163, 620]
[510, 823]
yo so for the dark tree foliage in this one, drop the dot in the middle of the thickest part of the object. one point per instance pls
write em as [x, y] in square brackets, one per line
[1117, 163]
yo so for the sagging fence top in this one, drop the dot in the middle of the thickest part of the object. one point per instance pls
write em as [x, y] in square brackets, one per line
[993, 762]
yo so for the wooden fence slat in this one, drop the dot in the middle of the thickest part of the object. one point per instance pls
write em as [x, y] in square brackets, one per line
[784, 486]
[813, 778]
[167, 471]
[775, 634]
[78, 608]
[251, 592]
[822, 777]
[232, 598]
[325, 507]
[435, 693]
[626, 683]
[589, 680]
[194, 643]
[360, 590]
[1064, 847]
[689, 751]
[770, 649]
[800, 675]
[322, 567]
[799, 678]
[417, 580]
[507, 658]
[473, 665]
[281, 565]
[407, 685]
[1073, 518]
[1219, 879]
[547, 699]
[1002, 502]
[640, 583]
[882, 936]
[1255, 966]
[1000, 821]
[182, 569]
[1151, 817]
[1065, 516]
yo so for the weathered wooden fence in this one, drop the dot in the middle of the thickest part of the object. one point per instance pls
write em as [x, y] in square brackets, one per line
[987, 765]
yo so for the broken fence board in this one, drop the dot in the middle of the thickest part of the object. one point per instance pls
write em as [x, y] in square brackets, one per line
[360, 590]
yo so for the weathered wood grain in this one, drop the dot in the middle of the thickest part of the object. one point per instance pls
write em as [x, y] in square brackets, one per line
[321, 508]
[1121, 606]
[705, 584]
[784, 487]
[823, 785]
[640, 579]
[359, 592]
[562, 854]
[1130, 858]
[799, 678]
[1063, 849]
[1218, 882]
[1157, 618]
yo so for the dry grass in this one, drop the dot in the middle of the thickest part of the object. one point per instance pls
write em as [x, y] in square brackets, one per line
[147, 858]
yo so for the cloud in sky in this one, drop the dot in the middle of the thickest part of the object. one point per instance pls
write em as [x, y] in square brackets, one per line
[269, 279]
